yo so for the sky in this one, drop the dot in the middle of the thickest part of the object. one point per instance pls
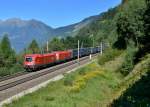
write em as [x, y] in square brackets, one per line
[55, 13]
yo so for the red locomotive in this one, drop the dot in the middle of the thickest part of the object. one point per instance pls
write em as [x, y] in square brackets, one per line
[36, 61]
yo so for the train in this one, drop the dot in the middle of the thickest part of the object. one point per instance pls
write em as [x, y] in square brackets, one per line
[33, 62]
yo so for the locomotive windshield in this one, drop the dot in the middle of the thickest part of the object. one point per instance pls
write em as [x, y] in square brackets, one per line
[29, 59]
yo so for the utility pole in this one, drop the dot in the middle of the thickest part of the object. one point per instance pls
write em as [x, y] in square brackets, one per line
[92, 37]
[47, 46]
[78, 51]
[93, 40]
[101, 48]
[41, 50]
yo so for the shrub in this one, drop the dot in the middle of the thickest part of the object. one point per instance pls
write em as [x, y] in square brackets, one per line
[49, 98]
[10, 70]
[4, 71]
[81, 81]
[129, 59]
[68, 80]
[108, 55]
[83, 71]
[16, 68]
[90, 67]
[78, 84]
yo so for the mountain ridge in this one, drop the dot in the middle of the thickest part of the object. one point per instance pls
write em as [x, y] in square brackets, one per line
[21, 32]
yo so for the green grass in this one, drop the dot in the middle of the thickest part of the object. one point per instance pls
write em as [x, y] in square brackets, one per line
[98, 89]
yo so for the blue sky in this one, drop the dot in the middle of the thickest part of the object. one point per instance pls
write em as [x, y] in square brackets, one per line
[54, 13]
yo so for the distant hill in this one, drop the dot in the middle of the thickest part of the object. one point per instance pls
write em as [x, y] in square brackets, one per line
[74, 28]
[22, 32]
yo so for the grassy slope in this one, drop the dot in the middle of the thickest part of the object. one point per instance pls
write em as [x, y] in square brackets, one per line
[140, 71]
[95, 90]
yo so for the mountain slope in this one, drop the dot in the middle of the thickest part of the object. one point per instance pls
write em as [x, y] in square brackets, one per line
[74, 28]
[22, 32]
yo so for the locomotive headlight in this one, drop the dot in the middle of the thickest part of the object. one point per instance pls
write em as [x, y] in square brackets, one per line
[31, 63]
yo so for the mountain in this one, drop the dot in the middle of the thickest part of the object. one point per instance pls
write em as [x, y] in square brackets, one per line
[74, 28]
[22, 32]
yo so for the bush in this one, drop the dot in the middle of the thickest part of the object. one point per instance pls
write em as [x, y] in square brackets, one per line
[4, 71]
[49, 98]
[16, 68]
[108, 55]
[68, 80]
[83, 71]
[81, 80]
[129, 59]
[78, 84]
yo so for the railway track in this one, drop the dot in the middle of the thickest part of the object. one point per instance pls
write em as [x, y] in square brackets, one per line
[4, 78]
[13, 76]
[25, 77]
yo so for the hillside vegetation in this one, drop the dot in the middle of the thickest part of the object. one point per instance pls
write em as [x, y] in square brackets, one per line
[89, 86]
[9, 64]
[135, 87]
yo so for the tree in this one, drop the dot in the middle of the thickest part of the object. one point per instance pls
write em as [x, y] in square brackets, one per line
[1, 58]
[130, 23]
[128, 63]
[7, 54]
[56, 44]
[6, 46]
[69, 42]
[124, 1]
[146, 39]
[34, 47]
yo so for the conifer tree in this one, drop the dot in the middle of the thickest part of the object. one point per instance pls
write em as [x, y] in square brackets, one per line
[34, 47]
[56, 44]
[7, 54]
[1, 57]
[6, 46]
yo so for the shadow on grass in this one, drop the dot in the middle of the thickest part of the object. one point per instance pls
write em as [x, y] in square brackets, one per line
[136, 96]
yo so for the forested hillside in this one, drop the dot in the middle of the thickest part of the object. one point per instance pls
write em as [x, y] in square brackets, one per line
[133, 24]
[103, 29]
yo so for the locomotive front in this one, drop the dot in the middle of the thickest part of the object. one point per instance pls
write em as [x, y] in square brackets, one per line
[29, 62]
